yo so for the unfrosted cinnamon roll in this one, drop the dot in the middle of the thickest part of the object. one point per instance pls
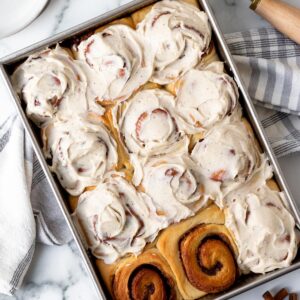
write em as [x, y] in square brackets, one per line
[52, 84]
[201, 254]
[117, 219]
[80, 152]
[179, 33]
[263, 228]
[228, 154]
[174, 185]
[147, 276]
[121, 58]
[148, 124]
[205, 97]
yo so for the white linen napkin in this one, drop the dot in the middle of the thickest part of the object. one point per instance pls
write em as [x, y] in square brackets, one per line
[17, 228]
[22, 180]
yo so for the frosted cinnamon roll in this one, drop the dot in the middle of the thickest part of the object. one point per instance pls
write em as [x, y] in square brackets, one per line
[228, 154]
[52, 84]
[174, 185]
[201, 254]
[263, 228]
[117, 219]
[179, 33]
[148, 124]
[79, 153]
[147, 276]
[121, 57]
[205, 97]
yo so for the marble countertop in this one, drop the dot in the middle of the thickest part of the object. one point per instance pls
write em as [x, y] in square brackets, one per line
[58, 273]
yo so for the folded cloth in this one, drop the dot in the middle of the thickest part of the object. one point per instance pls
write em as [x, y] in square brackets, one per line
[269, 64]
[22, 221]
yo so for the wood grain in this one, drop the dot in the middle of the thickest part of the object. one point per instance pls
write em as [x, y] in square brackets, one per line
[282, 16]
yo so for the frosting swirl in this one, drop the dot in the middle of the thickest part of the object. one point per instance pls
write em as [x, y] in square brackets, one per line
[54, 85]
[121, 57]
[179, 34]
[117, 219]
[205, 97]
[148, 124]
[228, 154]
[174, 187]
[263, 228]
[80, 153]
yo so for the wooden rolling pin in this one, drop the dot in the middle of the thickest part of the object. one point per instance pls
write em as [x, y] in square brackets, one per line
[282, 16]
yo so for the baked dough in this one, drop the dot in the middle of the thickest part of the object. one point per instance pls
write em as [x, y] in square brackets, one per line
[169, 240]
[133, 276]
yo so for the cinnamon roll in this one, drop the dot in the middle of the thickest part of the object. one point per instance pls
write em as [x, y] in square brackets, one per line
[205, 97]
[148, 124]
[263, 228]
[117, 219]
[175, 187]
[201, 253]
[79, 153]
[52, 84]
[123, 21]
[228, 154]
[121, 57]
[180, 35]
[147, 276]
[210, 61]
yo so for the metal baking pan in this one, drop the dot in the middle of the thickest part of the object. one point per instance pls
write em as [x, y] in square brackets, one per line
[8, 64]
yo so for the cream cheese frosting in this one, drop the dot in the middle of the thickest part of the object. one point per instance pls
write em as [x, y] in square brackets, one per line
[205, 97]
[175, 187]
[80, 153]
[148, 124]
[52, 84]
[228, 154]
[263, 228]
[179, 34]
[117, 219]
[122, 59]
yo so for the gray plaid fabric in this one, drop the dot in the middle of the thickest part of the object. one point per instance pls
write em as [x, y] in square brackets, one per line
[270, 67]
[29, 211]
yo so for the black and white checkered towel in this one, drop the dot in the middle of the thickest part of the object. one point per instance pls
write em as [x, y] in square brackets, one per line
[270, 66]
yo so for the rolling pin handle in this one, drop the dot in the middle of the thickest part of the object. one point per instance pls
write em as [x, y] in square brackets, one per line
[282, 16]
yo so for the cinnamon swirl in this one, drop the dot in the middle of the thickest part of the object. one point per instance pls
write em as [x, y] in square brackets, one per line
[79, 153]
[201, 254]
[179, 33]
[52, 84]
[121, 57]
[147, 276]
[117, 219]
